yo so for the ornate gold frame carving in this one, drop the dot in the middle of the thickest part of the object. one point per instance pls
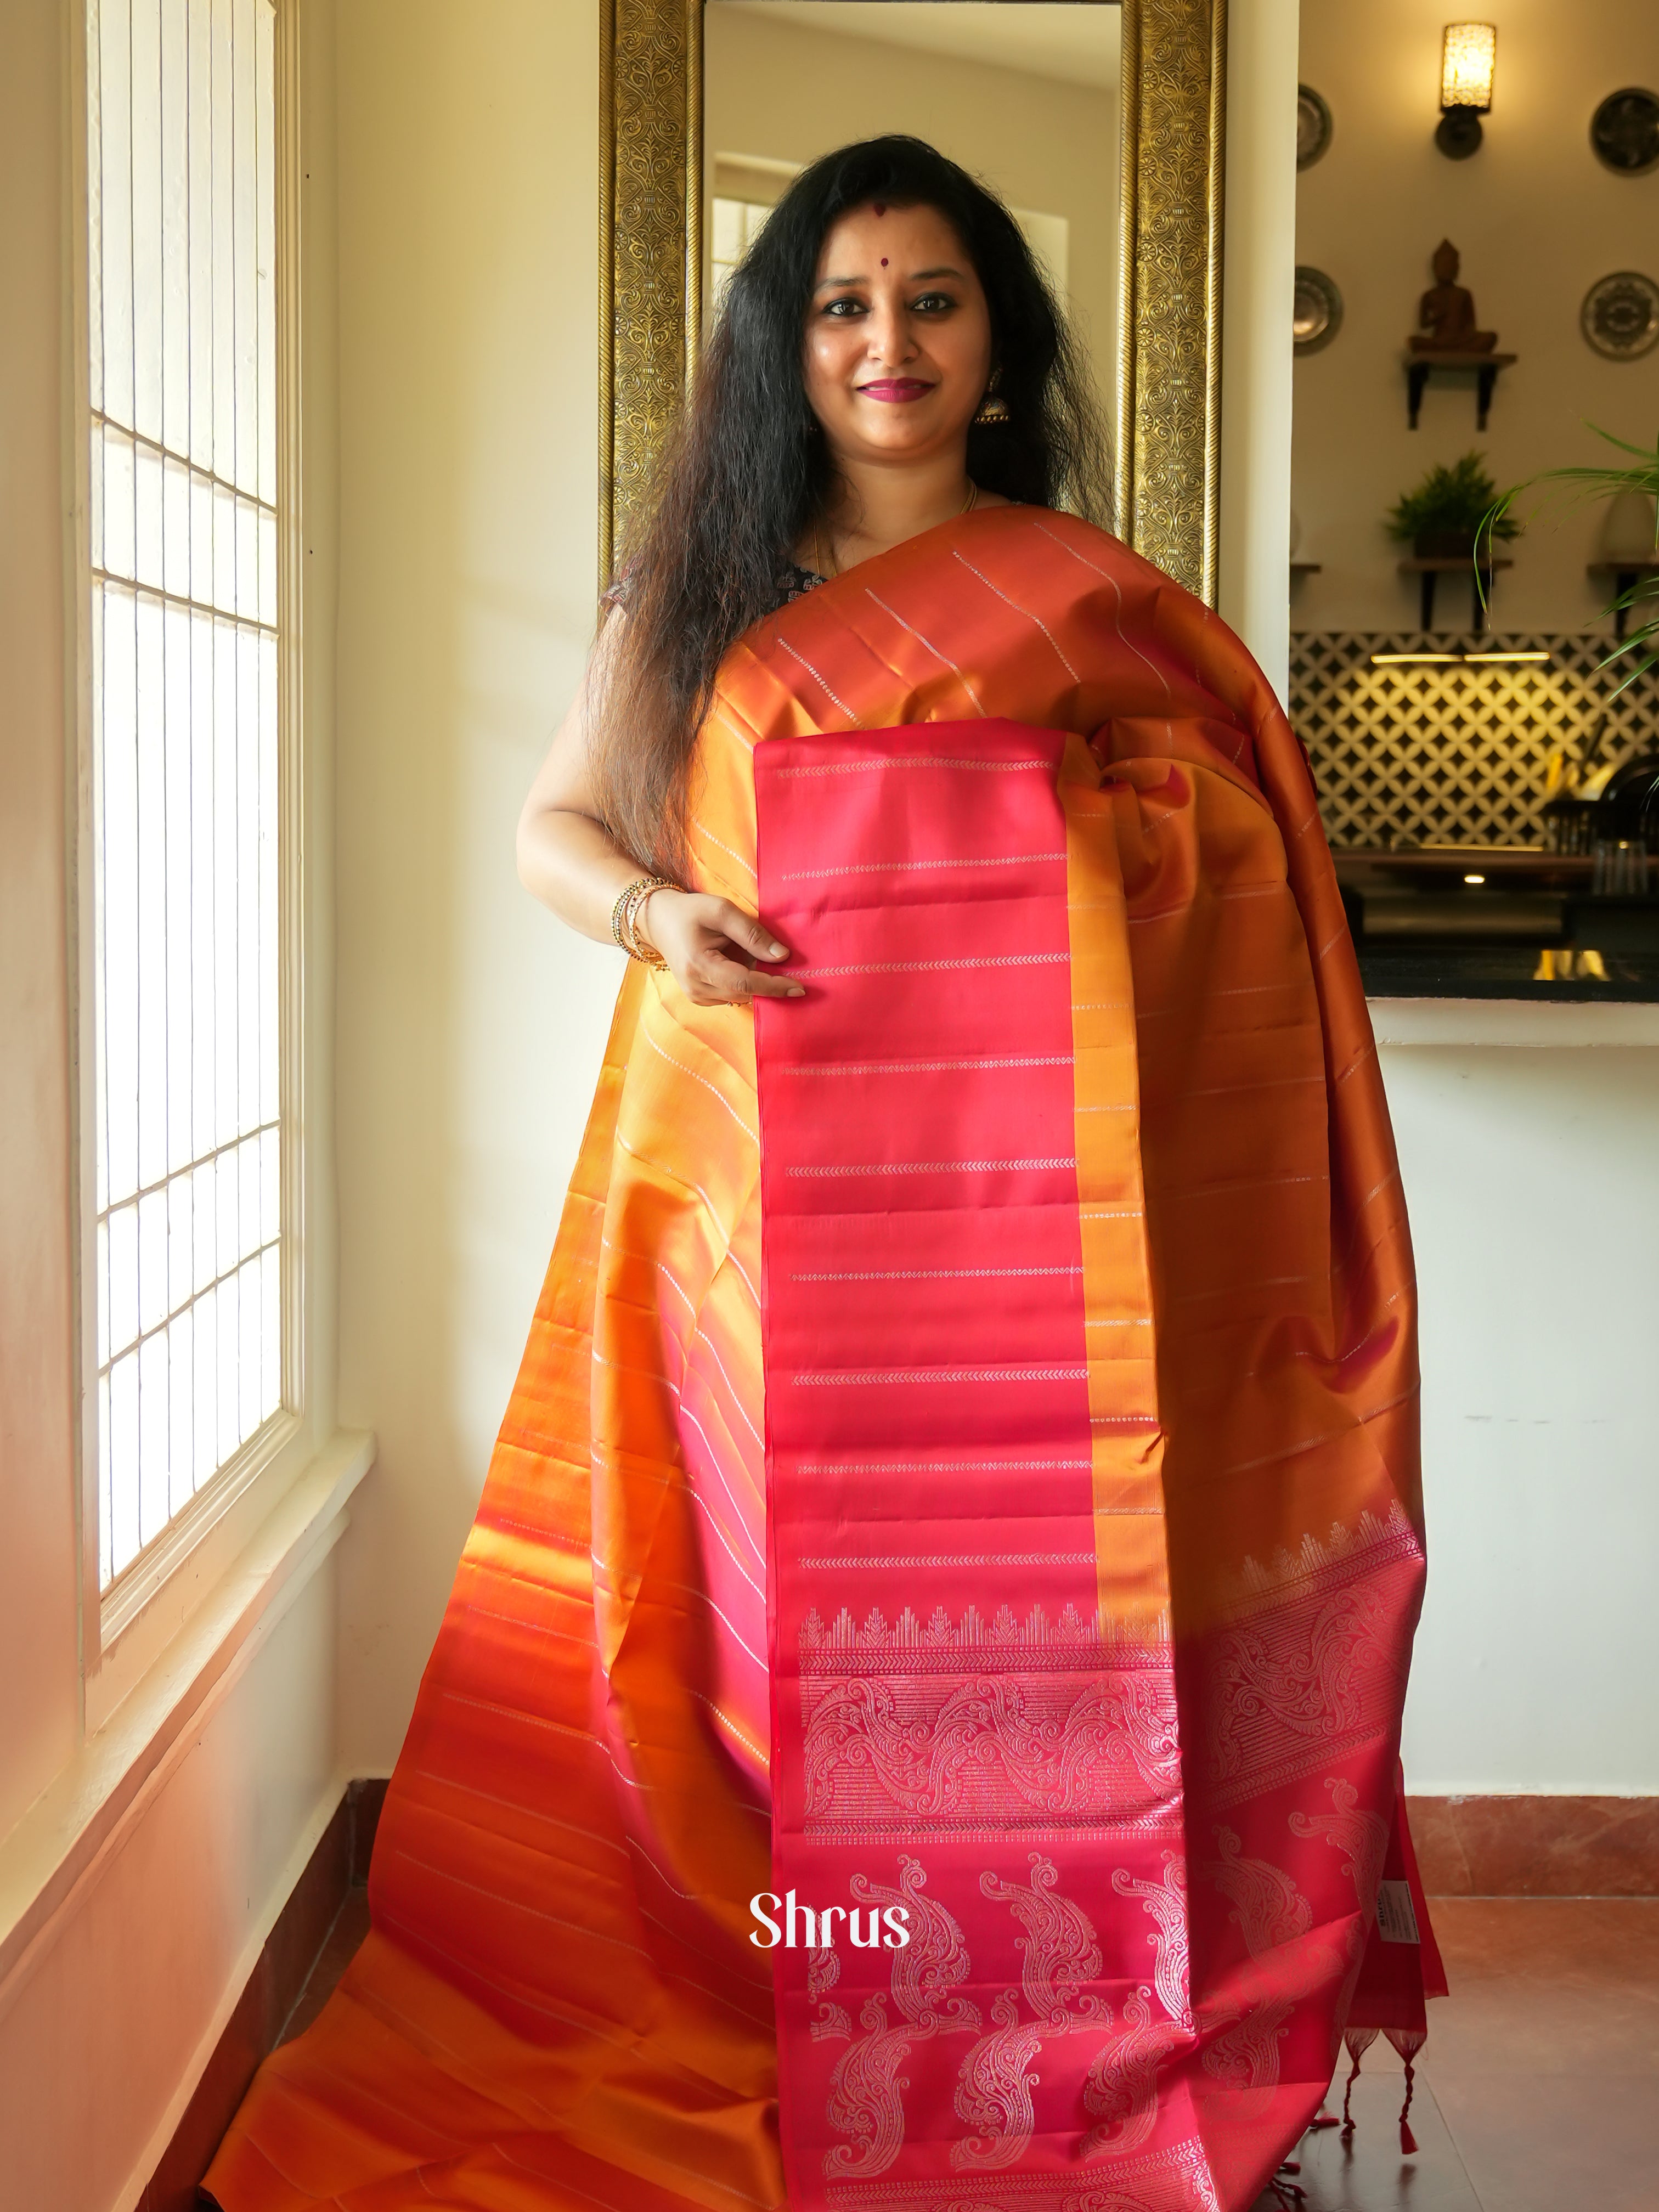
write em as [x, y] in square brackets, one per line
[1169, 413]
[1168, 427]
[650, 239]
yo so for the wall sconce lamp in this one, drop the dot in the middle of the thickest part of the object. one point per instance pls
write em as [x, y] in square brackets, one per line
[1468, 56]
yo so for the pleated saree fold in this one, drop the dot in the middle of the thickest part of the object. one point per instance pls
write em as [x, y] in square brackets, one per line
[963, 1477]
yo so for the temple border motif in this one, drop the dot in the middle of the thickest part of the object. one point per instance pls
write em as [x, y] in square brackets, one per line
[1169, 396]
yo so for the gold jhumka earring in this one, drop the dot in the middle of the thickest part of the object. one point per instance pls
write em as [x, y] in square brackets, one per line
[993, 408]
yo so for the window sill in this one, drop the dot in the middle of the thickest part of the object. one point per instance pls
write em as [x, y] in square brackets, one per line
[124, 1604]
[1516, 1022]
[59, 1843]
[152, 1604]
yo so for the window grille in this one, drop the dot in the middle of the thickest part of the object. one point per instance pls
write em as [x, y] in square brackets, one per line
[745, 189]
[734, 226]
[186, 1122]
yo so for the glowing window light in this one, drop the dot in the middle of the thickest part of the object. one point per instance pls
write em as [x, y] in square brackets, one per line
[1468, 57]
[186, 828]
[1474, 879]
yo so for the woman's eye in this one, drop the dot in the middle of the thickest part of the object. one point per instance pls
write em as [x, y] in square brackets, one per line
[844, 307]
[933, 303]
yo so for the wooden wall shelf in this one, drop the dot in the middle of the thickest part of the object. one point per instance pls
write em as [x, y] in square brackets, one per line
[1419, 367]
[1625, 575]
[1429, 573]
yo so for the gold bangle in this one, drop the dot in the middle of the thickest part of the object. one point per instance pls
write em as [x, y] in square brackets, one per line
[642, 945]
[639, 947]
[625, 915]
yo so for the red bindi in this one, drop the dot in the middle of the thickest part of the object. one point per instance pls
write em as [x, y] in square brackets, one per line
[880, 206]
[884, 260]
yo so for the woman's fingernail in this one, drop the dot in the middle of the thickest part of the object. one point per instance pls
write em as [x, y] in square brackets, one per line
[780, 951]
[796, 991]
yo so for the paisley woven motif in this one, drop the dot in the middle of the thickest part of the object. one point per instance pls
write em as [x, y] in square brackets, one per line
[994, 2090]
[1059, 1948]
[1121, 2094]
[1360, 1834]
[994, 1751]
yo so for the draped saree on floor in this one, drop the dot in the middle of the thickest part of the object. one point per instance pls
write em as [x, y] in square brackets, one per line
[963, 1475]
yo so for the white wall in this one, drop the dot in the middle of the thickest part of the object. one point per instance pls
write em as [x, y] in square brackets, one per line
[1257, 291]
[1533, 1181]
[104, 2032]
[1537, 220]
[469, 1024]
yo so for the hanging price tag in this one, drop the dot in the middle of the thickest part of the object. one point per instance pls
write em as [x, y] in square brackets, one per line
[1396, 1922]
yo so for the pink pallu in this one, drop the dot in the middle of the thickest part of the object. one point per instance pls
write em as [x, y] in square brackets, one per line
[1083, 2018]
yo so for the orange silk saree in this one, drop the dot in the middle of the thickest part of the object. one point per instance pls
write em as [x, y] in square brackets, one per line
[915, 1729]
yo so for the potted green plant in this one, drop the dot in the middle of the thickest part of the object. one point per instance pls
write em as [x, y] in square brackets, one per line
[1636, 482]
[1442, 516]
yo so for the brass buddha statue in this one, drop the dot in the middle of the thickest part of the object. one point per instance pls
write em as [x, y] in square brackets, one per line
[1445, 314]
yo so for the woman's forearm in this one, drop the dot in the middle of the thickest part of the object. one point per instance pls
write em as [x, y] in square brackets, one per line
[567, 861]
[717, 952]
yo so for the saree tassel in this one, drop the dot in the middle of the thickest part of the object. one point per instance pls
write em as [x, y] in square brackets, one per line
[1359, 2041]
[1407, 2140]
[1407, 2042]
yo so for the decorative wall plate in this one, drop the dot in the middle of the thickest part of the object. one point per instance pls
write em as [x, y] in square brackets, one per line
[1313, 126]
[1625, 131]
[1316, 317]
[1620, 315]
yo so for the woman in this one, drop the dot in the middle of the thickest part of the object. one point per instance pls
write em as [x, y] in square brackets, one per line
[916, 1724]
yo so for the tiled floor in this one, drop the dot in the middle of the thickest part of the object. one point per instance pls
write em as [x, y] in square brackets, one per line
[1539, 2091]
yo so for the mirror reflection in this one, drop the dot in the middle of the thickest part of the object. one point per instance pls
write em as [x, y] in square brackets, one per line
[1026, 97]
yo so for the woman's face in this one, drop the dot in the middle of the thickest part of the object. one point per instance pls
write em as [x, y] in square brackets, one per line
[898, 336]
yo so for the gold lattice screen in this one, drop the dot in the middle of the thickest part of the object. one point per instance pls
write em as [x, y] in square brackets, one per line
[1458, 754]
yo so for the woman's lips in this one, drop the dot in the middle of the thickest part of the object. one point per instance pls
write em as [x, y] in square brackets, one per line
[896, 387]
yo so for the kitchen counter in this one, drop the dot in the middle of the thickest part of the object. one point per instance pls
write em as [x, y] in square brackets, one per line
[1432, 970]
[1470, 924]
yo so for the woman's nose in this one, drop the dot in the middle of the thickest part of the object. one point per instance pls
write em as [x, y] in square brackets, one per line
[890, 340]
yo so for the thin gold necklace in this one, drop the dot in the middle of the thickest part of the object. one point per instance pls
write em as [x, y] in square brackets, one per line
[831, 567]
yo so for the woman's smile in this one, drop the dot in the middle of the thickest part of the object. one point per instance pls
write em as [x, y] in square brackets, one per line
[897, 388]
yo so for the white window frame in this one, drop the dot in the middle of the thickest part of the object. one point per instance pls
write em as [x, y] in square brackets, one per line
[124, 1626]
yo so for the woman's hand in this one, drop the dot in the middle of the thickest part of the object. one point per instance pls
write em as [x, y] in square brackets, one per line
[711, 947]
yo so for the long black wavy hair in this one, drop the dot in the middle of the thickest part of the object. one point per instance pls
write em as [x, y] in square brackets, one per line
[749, 471]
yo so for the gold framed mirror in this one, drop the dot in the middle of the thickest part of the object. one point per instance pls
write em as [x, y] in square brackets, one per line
[1168, 385]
